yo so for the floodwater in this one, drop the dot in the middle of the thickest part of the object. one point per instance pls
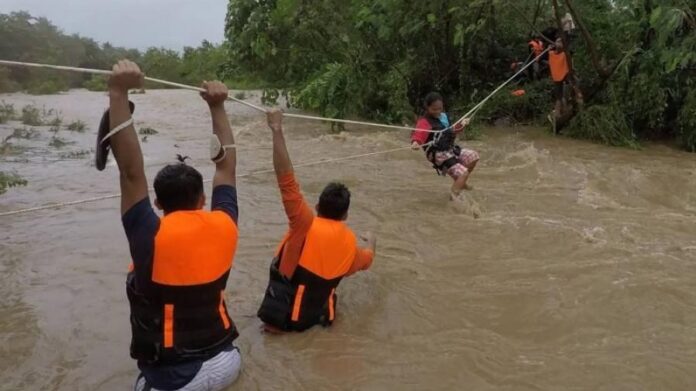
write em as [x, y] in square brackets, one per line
[578, 274]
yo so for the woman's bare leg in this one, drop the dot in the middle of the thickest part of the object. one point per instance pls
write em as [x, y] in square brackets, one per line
[459, 184]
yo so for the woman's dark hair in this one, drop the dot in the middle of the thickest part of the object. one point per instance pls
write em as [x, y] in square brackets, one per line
[551, 33]
[432, 98]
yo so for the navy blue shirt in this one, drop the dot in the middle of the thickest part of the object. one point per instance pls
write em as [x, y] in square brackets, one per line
[141, 224]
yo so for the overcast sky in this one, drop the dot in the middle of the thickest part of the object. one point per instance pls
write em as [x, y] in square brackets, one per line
[133, 23]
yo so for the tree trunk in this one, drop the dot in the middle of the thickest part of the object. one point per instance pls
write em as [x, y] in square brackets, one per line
[591, 46]
[567, 112]
[537, 11]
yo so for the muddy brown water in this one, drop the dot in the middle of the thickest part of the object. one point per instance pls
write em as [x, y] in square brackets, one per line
[579, 273]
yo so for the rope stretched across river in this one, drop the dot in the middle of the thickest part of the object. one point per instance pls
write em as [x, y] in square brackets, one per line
[263, 110]
[116, 195]
[468, 115]
[192, 88]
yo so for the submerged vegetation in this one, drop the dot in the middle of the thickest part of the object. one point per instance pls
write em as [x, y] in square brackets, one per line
[8, 180]
[7, 112]
[30, 125]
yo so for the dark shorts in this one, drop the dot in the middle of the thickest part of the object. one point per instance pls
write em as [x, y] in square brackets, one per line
[558, 87]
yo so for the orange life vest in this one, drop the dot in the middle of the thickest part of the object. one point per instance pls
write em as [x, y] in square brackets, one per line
[537, 47]
[558, 64]
[309, 297]
[180, 313]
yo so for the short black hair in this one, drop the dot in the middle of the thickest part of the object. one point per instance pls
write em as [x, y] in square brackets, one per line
[550, 33]
[178, 187]
[432, 98]
[334, 201]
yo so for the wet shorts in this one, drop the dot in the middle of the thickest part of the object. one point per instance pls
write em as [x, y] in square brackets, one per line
[467, 157]
[218, 373]
[559, 90]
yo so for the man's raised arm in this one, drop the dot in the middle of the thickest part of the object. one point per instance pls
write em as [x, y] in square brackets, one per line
[124, 144]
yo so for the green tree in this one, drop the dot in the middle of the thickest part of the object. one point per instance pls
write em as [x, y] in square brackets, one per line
[634, 59]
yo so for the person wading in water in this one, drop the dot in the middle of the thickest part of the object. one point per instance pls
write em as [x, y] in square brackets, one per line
[182, 334]
[316, 253]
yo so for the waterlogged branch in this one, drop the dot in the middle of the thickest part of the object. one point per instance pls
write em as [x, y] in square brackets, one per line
[537, 12]
[530, 23]
[559, 22]
[557, 15]
[689, 15]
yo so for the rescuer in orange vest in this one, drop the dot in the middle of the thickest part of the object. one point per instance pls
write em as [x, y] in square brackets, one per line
[560, 73]
[315, 254]
[182, 333]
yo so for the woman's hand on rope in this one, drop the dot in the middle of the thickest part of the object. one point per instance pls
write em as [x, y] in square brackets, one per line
[462, 124]
[125, 75]
[215, 93]
[275, 120]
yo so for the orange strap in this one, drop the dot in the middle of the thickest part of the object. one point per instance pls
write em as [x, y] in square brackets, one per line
[331, 304]
[168, 325]
[298, 303]
[221, 309]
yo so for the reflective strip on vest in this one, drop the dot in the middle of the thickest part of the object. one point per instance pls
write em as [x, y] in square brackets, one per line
[331, 304]
[223, 313]
[298, 303]
[168, 325]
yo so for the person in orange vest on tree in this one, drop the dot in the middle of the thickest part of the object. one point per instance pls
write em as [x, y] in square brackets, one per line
[316, 253]
[560, 72]
[182, 334]
[536, 47]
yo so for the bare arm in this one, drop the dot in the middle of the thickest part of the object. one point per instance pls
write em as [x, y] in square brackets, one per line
[225, 171]
[124, 144]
